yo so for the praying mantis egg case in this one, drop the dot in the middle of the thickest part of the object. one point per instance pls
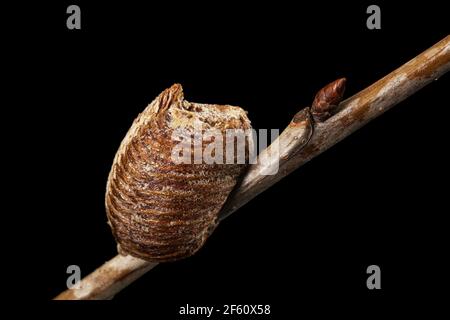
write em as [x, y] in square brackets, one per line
[158, 209]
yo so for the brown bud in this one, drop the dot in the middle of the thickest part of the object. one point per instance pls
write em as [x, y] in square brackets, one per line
[327, 100]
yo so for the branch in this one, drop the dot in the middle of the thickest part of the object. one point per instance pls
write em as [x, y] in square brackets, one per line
[110, 278]
[351, 115]
[301, 141]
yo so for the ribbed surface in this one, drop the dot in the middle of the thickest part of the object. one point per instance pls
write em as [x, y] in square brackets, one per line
[159, 210]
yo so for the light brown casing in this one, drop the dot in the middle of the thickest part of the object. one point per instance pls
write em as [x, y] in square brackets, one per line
[159, 210]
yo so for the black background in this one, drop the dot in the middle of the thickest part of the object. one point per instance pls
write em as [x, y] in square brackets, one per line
[379, 197]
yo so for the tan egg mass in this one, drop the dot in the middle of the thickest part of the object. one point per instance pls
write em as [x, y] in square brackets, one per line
[160, 209]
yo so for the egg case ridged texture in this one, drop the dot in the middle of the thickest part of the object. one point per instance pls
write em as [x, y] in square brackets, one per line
[159, 210]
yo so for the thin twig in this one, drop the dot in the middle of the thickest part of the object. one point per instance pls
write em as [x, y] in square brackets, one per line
[353, 113]
[110, 278]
